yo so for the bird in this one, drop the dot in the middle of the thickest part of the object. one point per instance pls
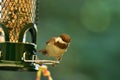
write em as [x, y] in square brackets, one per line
[57, 46]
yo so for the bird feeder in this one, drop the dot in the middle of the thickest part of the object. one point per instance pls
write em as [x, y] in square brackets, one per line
[16, 18]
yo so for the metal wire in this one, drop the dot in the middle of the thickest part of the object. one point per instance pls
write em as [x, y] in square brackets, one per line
[40, 62]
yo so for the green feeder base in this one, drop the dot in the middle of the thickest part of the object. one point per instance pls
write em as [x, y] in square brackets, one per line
[11, 56]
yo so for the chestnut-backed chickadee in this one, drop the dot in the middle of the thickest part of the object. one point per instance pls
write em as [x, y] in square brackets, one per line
[56, 46]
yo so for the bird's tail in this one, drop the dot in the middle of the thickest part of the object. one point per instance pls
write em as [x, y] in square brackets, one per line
[44, 52]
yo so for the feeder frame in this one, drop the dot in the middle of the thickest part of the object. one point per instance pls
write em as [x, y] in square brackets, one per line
[16, 18]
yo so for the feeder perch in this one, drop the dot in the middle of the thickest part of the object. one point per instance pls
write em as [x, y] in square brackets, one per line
[16, 18]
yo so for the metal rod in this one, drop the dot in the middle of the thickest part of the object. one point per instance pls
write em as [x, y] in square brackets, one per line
[35, 60]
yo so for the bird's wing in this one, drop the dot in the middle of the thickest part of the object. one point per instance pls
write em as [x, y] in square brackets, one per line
[51, 40]
[61, 45]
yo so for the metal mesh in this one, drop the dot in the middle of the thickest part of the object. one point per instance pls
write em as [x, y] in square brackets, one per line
[15, 14]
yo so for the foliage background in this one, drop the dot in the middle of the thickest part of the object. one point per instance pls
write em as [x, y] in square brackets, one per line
[94, 26]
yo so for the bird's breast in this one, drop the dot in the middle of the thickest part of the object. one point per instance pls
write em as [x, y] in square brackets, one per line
[53, 50]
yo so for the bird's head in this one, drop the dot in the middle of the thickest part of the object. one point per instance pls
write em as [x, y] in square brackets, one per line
[65, 37]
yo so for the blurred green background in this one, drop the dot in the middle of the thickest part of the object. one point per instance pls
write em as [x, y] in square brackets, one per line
[94, 52]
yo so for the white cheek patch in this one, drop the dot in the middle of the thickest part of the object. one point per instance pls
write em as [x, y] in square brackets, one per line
[58, 39]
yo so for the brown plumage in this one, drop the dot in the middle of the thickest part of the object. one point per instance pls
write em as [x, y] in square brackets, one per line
[56, 46]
